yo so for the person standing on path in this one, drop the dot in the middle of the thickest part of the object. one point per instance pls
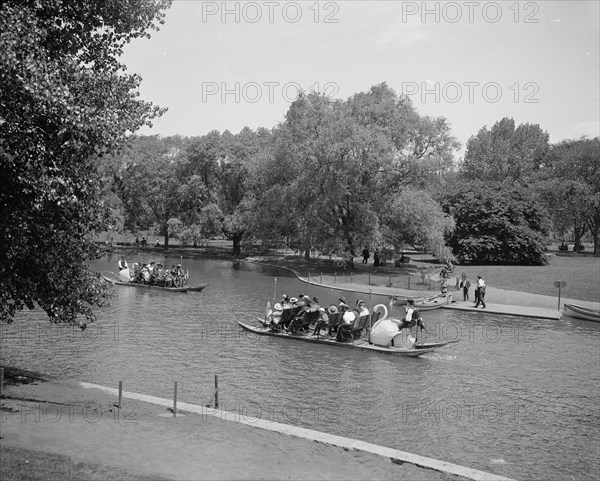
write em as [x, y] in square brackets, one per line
[481, 289]
[465, 285]
[366, 255]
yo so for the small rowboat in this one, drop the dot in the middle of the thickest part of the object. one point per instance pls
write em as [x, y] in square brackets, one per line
[403, 300]
[198, 287]
[434, 302]
[580, 312]
[360, 344]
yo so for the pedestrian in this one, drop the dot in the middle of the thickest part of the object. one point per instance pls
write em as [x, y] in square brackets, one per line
[376, 258]
[481, 292]
[465, 285]
[366, 255]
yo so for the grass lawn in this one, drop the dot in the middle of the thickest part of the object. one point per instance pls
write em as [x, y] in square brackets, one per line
[18, 464]
[580, 272]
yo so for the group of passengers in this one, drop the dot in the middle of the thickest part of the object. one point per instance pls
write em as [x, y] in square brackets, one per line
[308, 314]
[155, 273]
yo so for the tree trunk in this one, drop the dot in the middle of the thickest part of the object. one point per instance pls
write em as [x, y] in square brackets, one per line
[307, 253]
[594, 226]
[237, 244]
[167, 239]
[578, 231]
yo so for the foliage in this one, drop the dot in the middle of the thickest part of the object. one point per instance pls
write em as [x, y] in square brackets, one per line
[65, 101]
[496, 224]
[413, 217]
[505, 152]
[148, 182]
[335, 165]
[571, 185]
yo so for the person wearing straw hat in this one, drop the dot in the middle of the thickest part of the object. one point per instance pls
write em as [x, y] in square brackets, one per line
[342, 306]
[274, 317]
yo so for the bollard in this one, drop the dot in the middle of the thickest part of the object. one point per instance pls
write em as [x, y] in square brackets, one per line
[309, 277]
[175, 400]
[216, 392]
[1, 384]
[120, 393]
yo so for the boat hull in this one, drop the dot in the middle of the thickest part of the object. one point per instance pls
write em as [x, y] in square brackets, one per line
[431, 303]
[360, 344]
[403, 300]
[431, 345]
[160, 288]
[580, 312]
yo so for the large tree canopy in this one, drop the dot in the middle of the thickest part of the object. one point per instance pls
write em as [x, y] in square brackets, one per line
[571, 187]
[505, 152]
[65, 101]
[335, 166]
[496, 224]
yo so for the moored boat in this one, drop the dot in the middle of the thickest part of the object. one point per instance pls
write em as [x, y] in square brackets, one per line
[361, 344]
[403, 300]
[580, 312]
[433, 302]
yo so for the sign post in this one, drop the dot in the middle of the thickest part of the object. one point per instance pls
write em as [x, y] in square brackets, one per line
[560, 285]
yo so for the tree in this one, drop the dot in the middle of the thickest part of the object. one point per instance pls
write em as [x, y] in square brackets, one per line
[566, 202]
[576, 164]
[505, 152]
[335, 166]
[414, 217]
[496, 224]
[65, 101]
[150, 187]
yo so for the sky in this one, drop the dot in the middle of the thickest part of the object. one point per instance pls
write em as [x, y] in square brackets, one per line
[229, 65]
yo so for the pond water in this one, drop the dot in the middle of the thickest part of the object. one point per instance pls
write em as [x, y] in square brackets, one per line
[517, 397]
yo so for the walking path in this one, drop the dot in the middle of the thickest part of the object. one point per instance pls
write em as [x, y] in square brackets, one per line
[514, 303]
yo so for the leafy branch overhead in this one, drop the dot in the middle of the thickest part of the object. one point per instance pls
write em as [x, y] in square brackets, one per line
[65, 101]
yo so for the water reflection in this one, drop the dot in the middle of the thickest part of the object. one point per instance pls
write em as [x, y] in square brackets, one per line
[515, 397]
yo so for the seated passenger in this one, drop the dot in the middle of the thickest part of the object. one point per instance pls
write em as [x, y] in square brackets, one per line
[342, 306]
[344, 332]
[285, 302]
[361, 307]
[322, 321]
[160, 275]
[145, 277]
[274, 317]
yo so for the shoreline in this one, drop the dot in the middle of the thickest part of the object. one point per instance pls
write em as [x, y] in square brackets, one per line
[81, 422]
[363, 276]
